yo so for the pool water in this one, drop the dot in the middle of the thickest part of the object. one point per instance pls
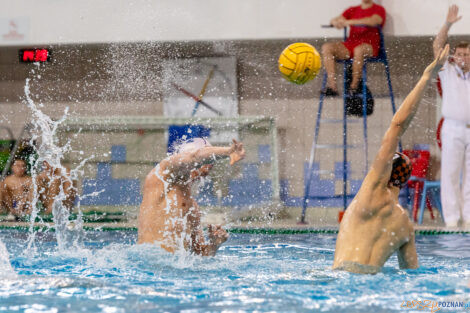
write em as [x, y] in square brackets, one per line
[250, 273]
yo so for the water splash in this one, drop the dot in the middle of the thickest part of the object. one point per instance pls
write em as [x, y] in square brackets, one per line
[44, 140]
[5, 267]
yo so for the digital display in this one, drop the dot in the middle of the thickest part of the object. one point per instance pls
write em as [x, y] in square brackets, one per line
[34, 55]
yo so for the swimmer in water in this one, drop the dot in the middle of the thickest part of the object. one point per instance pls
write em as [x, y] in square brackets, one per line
[168, 213]
[375, 226]
[51, 182]
[17, 190]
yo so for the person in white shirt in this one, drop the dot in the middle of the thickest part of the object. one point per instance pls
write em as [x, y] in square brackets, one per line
[455, 134]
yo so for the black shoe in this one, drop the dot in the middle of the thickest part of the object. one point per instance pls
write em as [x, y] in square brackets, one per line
[356, 92]
[355, 102]
[329, 92]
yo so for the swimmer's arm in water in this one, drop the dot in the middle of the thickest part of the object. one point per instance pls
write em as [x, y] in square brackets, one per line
[441, 38]
[407, 256]
[381, 168]
[217, 235]
[185, 162]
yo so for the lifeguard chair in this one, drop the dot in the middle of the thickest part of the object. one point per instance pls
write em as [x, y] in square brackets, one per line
[381, 58]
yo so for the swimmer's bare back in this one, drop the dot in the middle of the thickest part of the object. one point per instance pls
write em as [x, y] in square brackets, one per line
[163, 212]
[168, 214]
[18, 194]
[368, 236]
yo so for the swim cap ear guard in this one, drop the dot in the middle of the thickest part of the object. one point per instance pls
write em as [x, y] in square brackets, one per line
[401, 170]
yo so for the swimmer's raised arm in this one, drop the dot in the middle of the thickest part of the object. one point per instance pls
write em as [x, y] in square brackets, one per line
[441, 38]
[381, 168]
[186, 161]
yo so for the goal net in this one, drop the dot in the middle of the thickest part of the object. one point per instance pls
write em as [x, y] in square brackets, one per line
[121, 150]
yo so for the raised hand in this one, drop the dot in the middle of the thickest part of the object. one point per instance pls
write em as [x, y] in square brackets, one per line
[453, 15]
[217, 235]
[237, 152]
[438, 62]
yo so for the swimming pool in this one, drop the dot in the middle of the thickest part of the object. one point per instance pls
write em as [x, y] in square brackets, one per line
[251, 273]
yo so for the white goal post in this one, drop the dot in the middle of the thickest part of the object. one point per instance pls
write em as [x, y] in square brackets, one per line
[95, 130]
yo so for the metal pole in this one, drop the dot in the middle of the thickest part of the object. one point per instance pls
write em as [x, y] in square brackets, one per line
[312, 153]
[274, 160]
[345, 133]
[364, 117]
[345, 140]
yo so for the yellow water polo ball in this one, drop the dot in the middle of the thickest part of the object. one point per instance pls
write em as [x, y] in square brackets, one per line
[299, 63]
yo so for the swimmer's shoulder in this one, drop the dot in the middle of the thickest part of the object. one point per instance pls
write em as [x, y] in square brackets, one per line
[369, 204]
[9, 181]
[158, 176]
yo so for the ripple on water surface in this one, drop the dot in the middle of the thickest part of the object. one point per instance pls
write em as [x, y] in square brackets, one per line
[265, 273]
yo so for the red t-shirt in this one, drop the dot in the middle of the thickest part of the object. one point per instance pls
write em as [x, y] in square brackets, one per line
[359, 34]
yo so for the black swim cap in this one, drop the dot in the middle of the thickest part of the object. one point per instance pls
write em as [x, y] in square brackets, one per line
[401, 170]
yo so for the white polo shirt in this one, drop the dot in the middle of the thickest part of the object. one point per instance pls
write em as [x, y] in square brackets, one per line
[455, 93]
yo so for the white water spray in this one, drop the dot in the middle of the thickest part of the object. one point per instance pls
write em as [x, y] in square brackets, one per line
[5, 267]
[45, 141]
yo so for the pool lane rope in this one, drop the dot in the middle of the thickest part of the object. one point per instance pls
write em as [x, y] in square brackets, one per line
[255, 231]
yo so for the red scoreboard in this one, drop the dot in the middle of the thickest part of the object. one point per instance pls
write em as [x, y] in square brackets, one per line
[34, 55]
